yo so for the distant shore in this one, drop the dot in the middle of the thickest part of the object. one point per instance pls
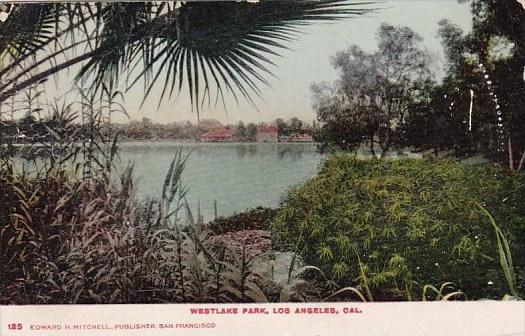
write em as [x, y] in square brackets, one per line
[176, 141]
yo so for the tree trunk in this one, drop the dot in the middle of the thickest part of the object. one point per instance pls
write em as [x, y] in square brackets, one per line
[385, 145]
[511, 156]
[383, 153]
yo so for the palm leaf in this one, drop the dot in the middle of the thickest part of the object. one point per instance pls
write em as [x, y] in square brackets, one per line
[234, 40]
[199, 47]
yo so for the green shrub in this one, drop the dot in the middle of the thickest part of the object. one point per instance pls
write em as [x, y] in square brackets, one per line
[254, 219]
[411, 223]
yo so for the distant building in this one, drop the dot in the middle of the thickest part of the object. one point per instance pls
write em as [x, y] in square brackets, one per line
[300, 138]
[218, 135]
[267, 133]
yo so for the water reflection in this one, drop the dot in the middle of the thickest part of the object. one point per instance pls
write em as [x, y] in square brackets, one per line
[236, 175]
[282, 151]
[293, 151]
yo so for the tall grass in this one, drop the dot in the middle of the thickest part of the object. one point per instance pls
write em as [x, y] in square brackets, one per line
[504, 254]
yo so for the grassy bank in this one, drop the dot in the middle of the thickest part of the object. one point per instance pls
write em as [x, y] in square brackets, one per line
[395, 226]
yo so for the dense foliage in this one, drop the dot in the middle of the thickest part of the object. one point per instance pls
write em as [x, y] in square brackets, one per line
[254, 219]
[368, 102]
[399, 225]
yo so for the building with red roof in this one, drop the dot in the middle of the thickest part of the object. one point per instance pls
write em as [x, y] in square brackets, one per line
[218, 135]
[267, 133]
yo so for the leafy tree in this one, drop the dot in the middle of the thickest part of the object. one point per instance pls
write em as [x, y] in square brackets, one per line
[296, 125]
[426, 124]
[489, 61]
[293, 126]
[240, 130]
[461, 103]
[499, 33]
[251, 131]
[282, 127]
[369, 100]
[344, 125]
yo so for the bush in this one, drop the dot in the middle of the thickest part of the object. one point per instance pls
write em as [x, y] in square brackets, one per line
[398, 225]
[254, 219]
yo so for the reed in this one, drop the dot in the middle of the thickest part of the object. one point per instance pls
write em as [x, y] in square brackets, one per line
[504, 253]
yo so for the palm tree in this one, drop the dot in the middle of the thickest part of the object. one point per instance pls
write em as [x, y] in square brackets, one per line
[210, 48]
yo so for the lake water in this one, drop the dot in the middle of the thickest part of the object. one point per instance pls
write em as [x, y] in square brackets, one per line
[237, 176]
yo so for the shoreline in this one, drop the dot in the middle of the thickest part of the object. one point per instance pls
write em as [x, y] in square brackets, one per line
[169, 141]
[181, 142]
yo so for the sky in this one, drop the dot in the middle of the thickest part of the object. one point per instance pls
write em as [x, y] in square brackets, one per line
[308, 61]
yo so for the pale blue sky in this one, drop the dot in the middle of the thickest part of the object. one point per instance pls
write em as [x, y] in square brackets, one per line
[308, 61]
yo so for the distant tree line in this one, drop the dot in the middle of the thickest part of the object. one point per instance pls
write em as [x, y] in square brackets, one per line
[285, 128]
[295, 126]
[148, 130]
[140, 130]
[246, 132]
[31, 129]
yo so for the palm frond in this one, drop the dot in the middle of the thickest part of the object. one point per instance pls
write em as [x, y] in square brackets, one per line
[28, 28]
[228, 44]
[203, 48]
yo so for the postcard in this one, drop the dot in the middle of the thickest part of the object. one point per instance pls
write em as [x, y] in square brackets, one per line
[306, 167]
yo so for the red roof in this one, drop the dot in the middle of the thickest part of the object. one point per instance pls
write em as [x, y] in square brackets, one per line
[218, 134]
